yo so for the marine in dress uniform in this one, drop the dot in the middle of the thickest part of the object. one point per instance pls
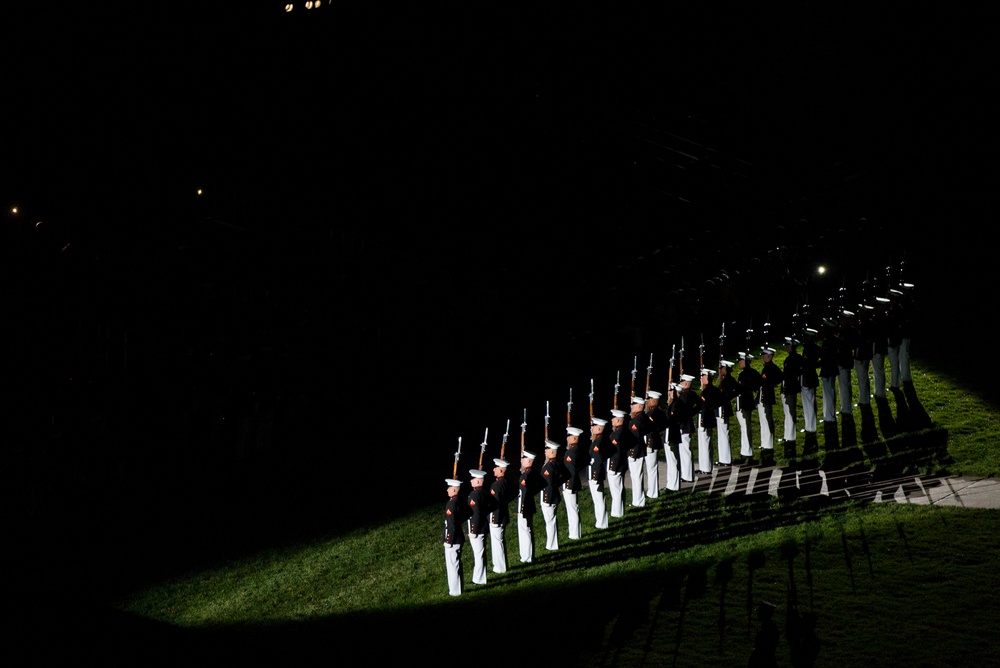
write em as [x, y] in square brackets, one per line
[907, 303]
[895, 339]
[829, 373]
[551, 494]
[500, 498]
[746, 404]
[597, 468]
[847, 342]
[572, 461]
[455, 514]
[635, 439]
[880, 349]
[528, 486]
[672, 441]
[729, 388]
[688, 406]
[791, 387]
[478, 524]
[770, 379]
[617, 463]
[812, 357]
[656, 418]
[864, 351]
[864, 348]
[711, 401]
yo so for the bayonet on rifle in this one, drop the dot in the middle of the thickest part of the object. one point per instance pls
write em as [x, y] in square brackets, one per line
[618, 375]
[681, 362]
[546, 420]
[722, 341]
[649, 374]
[591, 400]
[670, 373]
[635, 370]
[503, 446]
[524, 426]
[569, 409]
[482, 447]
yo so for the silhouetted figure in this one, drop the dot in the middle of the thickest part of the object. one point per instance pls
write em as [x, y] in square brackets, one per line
[765, 644]
[802, 640]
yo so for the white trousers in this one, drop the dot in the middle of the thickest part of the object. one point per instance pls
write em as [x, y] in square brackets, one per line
[722, 439]
[904, 361]
[498, 547]
[673, 481]
[766, 419]
[652, 473]
[829, 398]
[704, 447]
[894, 371]
[844, 390]
[745, 419]
[878, 375]
[572, 504]
[637, 470]
[809, 408]
[600, 504]
[551, 525]
[616, 486]
[453, 564]
[687, 465]
[789, 406]
[526, 538]
[864, 381]
[477, 541]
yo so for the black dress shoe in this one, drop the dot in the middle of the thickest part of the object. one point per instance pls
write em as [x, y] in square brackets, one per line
[721, 464]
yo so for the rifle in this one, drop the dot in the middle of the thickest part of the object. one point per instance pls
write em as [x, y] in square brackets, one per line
[701, 366]
[569, 409]
[635, 370]
[524, 425]
[701, 353]
[649, 374]
[482, 448]
[722, 341]
[503, 446]
[546, 420]
[591, 401]
[681, 365]
[454, 472]
[618, 375]
[670, 373]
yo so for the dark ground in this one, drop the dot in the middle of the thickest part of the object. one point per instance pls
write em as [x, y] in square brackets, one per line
[420, 223]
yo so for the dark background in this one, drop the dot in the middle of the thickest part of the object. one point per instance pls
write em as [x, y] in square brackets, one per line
[419, 222]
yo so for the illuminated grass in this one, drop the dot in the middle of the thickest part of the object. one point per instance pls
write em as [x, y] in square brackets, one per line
[670, 584]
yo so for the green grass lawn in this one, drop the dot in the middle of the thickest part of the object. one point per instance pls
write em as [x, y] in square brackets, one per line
[674, 583]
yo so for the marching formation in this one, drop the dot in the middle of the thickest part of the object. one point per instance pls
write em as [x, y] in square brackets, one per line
[826, 356]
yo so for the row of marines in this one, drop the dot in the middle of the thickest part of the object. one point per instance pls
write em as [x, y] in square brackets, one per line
[630, 441]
